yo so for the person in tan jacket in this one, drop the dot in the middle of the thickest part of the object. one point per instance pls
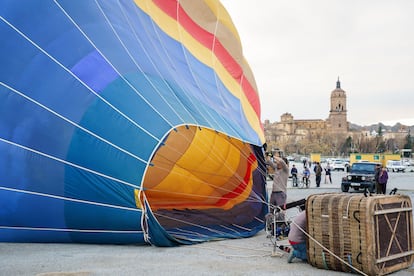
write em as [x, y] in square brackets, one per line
[279, 187]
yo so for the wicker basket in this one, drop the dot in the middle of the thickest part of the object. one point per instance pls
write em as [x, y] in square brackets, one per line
[373, 234]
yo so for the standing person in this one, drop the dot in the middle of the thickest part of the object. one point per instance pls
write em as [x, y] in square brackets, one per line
[304, 162]
[378, 187]
[382, 180]
[328, 176]
[294, 173]
[297, 238]
[280, 178]
[306, 176]
[318, 174]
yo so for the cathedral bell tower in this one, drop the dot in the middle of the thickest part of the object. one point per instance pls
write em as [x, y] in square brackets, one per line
[337, 120]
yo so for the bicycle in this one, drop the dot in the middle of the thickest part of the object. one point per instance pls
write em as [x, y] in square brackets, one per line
[305, 181]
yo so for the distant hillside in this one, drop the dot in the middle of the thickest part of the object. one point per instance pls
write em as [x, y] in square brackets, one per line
[394, 128]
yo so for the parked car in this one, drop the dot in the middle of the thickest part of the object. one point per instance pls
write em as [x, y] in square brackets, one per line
[361, 176]
[408, 163]
[339, 165]
[395, 166]
[290, 158]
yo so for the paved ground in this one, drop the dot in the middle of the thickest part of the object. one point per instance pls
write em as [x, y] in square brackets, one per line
[252, 256]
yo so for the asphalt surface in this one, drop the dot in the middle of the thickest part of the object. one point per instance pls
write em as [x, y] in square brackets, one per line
[250, 256]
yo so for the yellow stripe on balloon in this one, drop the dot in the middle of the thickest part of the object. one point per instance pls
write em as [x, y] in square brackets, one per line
[204, 55]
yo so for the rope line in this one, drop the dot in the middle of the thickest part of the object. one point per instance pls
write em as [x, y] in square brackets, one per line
[197, 225]
[234, 247]
[329, 251]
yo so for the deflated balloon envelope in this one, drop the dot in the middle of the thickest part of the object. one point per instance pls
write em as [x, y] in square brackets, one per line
[127, 122]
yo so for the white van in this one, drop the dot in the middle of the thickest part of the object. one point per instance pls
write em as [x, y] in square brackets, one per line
[395, 166]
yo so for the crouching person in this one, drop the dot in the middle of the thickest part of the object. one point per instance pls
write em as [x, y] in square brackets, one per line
[297, 238]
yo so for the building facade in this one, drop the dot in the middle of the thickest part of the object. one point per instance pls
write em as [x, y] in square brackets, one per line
[337, 121]
[294, 130]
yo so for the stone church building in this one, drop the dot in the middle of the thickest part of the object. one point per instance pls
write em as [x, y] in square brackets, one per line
[288, 128]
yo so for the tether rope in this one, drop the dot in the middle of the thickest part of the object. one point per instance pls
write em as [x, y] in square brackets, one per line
[197, 225]
[329, 251]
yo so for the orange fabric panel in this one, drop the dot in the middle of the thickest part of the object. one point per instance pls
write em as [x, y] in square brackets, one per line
[199, 168]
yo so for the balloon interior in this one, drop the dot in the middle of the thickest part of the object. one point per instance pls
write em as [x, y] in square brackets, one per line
[127, 122]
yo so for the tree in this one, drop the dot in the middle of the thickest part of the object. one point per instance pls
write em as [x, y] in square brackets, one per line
[408, 141]
[346, 145]
[379, 143]
[380, 131]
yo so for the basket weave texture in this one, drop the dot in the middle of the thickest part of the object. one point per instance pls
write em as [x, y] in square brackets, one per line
[372, 233]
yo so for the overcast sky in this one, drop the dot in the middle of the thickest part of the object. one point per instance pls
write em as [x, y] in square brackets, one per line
[298, 48]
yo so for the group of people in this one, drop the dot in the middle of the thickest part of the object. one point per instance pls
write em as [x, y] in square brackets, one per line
[296, 236]
[318, 174]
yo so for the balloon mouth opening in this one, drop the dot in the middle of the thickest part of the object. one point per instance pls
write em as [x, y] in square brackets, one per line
[195, 172]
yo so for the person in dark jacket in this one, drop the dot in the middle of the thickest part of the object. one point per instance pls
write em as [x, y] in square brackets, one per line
[294, 173]
[378, 187]
[382, 181]
[318, 174]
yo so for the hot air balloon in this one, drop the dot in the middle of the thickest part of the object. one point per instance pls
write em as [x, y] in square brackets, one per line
[127, 122]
